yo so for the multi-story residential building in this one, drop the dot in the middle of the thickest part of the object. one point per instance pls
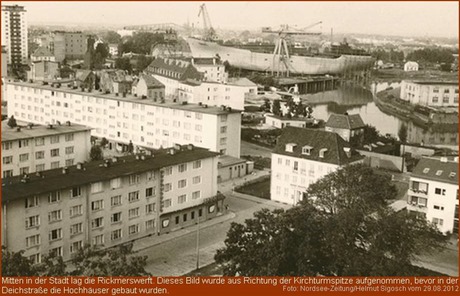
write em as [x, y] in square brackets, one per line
[43, 70]
[124, 119]
[110, 202]
[14, 33]
[67, 45]
[430, 93]
[433, 192]
[303, 156]
[115, 81]
[212, 68]
[4, 62]
[35, 148]
[149, 87]
[345, 125]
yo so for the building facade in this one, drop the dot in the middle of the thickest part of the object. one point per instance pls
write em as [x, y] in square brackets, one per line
[430, 93]
[303, 156]
[410, 66]
[14, 33]
[433, 192]
[122, 120]
[110, 202]
[345, 125]
[35, 148]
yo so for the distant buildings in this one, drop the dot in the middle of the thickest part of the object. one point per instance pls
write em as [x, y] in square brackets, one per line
[115, 81]
[433, 192]
[113, 50]
[430, 93]
[43, 70]
[345, 125]
[42, 54]
[410, 66]
[4, 62]
[122, 119]
[109, 203]
[282, 122]
[35, 148]
[14, 34]
[149, 87]
[303, 156]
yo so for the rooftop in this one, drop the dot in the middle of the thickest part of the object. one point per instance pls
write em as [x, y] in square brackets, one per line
[343, 121]
[214, 110]
[435, 82]
[34, 131]
[444, 169]
[151, 81]
[52, 180]
[42, 51]
[316, 140]
[227, 160]
[241, 82]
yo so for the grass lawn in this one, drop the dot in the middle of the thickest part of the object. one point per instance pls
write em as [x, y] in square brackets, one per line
[259, 189]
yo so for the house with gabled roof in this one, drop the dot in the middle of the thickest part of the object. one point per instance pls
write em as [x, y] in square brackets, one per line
[345, 125]
[433, 192]
[302, 156]
[42, 54]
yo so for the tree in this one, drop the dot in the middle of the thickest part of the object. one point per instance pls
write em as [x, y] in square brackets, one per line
[402, 133]
[104, 142]
[143, 62]
[276, 107]
[119, 261]
[96, 153]
[130, 147]
[100, 54]
[112, 37]
[123, 64]
[52, 265]
[265, 106]
[15, 264]
[371, 134]
[12, 122]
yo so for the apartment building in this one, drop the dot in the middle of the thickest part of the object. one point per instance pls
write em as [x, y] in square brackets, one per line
[35, 148]
[110, 202]
[212, 68]
[433, 192]
[346, 125]
[303, 156]
[14, 33]
[430, 93]
[124, 119]
[68, 45]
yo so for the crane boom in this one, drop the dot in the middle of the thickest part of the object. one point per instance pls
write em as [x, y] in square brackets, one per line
[209, 32]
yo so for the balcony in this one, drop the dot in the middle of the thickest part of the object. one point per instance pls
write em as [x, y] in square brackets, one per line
[418, 192]
[415, 203]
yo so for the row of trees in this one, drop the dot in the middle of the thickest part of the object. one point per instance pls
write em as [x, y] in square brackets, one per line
[88, 261]
[432, 55]
[295, 110]
[346, 230]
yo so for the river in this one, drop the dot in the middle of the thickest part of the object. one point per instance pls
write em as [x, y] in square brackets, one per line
[359, 100]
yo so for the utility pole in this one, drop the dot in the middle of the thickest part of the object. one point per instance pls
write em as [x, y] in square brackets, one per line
[198, 244]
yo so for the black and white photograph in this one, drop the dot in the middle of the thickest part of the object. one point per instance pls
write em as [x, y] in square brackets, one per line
[220, 138]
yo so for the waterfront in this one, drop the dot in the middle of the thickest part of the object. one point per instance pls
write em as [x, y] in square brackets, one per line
[360, 100]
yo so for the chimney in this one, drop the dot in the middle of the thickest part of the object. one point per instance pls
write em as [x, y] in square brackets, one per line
[172, 151]
[68, 123]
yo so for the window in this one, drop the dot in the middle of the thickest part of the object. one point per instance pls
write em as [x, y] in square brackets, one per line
[438, 208]
[223, 129]
[54, 197]
[197, 164]
[96, 223]
[166, 203]
[181, 199]
[76, 191]
[55, 234]
[7, 146]
[438, 172]
[440, 191]
[115, 183]
[76, 228]
[7, 159]
[54, 139]
[33, 240]
[68, 137]
[115, 200]
[115, 234]
[223, 118]
[54, 152]
[306, 150]
[115, 218]
[56, 252]
[223, 141]
[33, 221]
[168, 187]
[23, 157]
[168, 171]
[196, 180]
[182, 168]
[150, 224]
[75, 246]
[438, 221]
[149, 192]
[182, 183]
[150, 208]
[436, 90]
[76, 210]
[69, 150]
[55, 216]
[134, 179]
[39, 141]
[39, 154]
[97, 205]
[196, 194]
[133, 213]
[96, 187]
[23, 143]
[133, 196]
[24, 170]
[98, 240]
[54, 164]
[133, 229]
[35, 258]
[296, 166]
[434, 99]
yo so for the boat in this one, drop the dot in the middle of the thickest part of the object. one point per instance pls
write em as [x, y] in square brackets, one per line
[263, 62]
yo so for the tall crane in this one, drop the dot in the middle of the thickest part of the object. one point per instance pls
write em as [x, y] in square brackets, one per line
[209, 32]
[281, 52]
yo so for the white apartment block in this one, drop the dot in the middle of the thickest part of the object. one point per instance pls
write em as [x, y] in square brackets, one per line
[110, 202]
[430, 93]
[37, 148]
[433, 192]
[122, 120]
[14, 33]
[212, 69]
[302, 157]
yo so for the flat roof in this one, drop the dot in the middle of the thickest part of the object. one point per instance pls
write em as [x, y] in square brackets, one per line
[227, 160]
[24, 132]
[53, 180]
[214, 110]
[440, 82]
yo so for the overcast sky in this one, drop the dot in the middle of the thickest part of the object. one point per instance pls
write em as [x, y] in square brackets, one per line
[386, 18]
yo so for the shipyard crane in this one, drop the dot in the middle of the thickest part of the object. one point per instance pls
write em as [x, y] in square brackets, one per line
[209, 32]
[281, 52]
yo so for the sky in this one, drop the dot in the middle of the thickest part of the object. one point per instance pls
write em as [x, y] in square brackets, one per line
[436, 19]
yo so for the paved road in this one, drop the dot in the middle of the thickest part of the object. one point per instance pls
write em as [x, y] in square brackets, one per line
[254, 150]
